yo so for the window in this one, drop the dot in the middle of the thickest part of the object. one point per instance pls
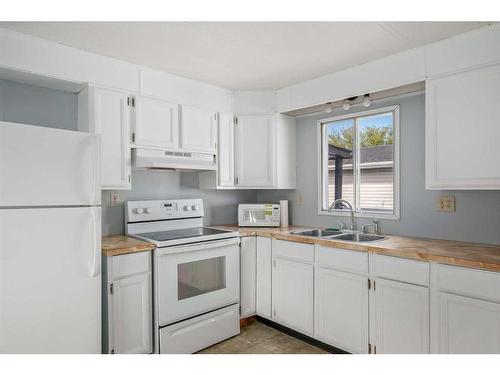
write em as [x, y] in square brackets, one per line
[359, 162]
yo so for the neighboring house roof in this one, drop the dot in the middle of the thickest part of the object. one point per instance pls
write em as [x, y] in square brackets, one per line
[369, 155]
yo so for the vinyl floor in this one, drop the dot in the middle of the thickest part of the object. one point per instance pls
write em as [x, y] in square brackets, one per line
[258, 338]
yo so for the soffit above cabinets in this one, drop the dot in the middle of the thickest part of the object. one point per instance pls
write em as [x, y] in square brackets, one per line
[245, 55]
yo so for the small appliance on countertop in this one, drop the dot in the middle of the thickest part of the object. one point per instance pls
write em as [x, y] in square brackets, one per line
[259, 215]
[196, 274]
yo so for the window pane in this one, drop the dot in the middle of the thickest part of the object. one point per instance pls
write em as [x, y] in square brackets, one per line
[340, 172]
[376, 181]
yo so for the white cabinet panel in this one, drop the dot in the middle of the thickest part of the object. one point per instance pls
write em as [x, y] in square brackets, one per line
[264, 272]
[401, 318]
[248, 259]
[292, 297]
[110, 118]
[132, 312]
[225, 151]
[255, 141]
[462, 130]
[341, 310]
[468, 325]
[198, 129]
[155, 123]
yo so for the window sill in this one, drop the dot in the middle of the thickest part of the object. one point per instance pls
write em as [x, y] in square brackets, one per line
[369, 215]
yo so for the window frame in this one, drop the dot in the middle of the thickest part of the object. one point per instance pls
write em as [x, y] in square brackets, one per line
[323, 172]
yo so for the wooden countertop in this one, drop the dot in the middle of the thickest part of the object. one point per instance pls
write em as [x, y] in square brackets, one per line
[120, 244]
[443, 251]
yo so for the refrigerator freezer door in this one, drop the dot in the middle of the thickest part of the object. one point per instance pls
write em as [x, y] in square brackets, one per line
[50, 284]
[48, 167]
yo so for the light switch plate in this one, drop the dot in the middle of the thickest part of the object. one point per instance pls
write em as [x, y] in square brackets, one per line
[300, 199]
[114, 199]
[446, 204]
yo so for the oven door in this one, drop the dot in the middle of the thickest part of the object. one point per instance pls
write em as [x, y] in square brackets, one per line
[196, 278]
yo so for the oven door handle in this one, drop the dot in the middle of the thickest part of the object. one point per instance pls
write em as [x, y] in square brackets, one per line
[198, 246]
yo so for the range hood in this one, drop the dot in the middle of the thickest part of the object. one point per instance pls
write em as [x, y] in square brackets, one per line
[172, 160]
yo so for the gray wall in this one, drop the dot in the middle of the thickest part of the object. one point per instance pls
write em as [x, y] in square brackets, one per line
[477, 216]
[38, 106]
[221, 207]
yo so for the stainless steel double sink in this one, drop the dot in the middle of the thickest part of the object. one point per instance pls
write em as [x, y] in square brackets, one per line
[330, 234]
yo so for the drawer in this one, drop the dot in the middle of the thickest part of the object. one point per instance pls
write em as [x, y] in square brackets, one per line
[400, 269]
[469, 282]
[130, 264]
[342, 259]
[192, 335]
[293, 250]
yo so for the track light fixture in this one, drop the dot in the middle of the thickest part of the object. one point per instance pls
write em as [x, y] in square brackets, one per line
[366, 100]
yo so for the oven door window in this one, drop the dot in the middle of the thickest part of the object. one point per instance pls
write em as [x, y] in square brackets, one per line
[200, 277]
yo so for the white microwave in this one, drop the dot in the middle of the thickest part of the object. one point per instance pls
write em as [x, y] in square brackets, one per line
[259, 215]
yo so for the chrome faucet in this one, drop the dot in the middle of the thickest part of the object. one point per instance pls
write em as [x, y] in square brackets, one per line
[353, 223]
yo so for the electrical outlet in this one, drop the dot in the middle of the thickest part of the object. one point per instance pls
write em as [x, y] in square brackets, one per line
[300, 199]
[114, 199]
[446, 204]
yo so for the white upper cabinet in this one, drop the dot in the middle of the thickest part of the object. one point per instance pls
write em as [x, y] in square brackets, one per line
[265, 151]
[107, 113]
[198, 129]
[255, 151]
[225, 151]
[155, 123]
[462, 130]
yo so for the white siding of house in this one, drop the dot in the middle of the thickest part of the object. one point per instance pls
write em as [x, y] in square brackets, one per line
[376, 188]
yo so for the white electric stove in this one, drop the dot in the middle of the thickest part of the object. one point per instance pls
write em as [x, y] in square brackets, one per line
[196, 274]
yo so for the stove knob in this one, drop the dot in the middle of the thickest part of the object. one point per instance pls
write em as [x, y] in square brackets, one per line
[139, 210]
[149, 210]
[194, 208]
[187, 208]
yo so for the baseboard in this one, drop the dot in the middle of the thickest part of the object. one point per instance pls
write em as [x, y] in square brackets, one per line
[244, 322]
[300, 336]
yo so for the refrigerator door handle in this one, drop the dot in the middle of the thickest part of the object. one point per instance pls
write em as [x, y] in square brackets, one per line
[95, 268]
[96, 169]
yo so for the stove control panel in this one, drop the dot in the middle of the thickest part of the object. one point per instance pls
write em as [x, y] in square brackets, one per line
[163, 210]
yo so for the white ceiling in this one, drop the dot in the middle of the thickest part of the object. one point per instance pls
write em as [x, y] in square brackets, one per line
[245, 55]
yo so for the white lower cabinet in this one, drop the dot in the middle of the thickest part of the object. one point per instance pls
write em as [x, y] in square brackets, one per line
[248, 260]
[401, 317]
[341, 309]
[466, 310]
[292, 286]
[264, 276]
[127, 304]
[131, 300]
[468, 325]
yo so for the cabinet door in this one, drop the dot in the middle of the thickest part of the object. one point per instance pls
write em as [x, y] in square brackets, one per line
[248, 260]
[292, 284]
[155, 123]
[255, 142]
[341, 310]
[111, 120]
[198, 129]
[264, 274]
[132, 312]
[462, 130]
[225, 151]
[401, 320]
[468, 326]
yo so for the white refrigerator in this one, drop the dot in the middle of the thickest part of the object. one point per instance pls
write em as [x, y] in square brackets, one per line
[50, 240]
